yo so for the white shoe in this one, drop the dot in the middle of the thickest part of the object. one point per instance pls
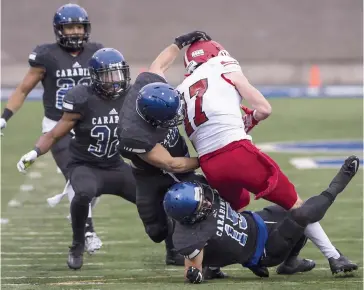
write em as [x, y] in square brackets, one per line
[92, 242]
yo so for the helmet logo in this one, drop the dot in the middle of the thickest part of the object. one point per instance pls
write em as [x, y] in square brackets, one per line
[197, 53]
[117, 65]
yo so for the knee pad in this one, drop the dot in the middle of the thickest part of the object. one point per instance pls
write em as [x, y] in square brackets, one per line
[156, 232]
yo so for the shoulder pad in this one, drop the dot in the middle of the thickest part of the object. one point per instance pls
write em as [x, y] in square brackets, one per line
[40, 55]
[148, 78]
[75, 100]
[94, 46]
[228, 64]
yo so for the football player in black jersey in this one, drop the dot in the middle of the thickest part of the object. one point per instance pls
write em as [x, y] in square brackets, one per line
[95, 167]
[209, 232]
[149, 137]
[59, 66]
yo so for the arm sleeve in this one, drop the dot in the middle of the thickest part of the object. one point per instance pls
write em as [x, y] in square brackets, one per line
[75, 100]
[39, 57]
[128, 145]
[192, 251]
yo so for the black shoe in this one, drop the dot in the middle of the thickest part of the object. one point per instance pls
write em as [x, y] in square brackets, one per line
[174, 258]
[260, 271]
[295, 265]
[75, 256]
[342, 264]
[343, 177]
[216, 273]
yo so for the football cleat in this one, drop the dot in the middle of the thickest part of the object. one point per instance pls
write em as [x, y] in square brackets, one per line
[214, 273]
[92, 242]
[75, 256]
[342, 264]
[295, 265]
[344, 176]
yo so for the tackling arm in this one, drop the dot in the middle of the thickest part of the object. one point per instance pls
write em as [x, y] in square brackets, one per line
[164, 60]
[160, 157]
[261, 106]
[17, 98]
[63, 127]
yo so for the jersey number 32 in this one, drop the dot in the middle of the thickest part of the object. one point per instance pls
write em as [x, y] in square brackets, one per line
[197, 91]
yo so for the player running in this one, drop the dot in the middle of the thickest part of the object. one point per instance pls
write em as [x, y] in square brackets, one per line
[209, 232]
[94, 165]
[59, 66]
[232, 164]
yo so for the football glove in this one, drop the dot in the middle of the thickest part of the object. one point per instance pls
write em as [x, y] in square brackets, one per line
[2, 125]
[189, 38]
[27, 160]
[249, 121]
[194, 275]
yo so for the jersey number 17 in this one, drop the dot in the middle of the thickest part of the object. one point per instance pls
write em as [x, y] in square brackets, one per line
[197, 91]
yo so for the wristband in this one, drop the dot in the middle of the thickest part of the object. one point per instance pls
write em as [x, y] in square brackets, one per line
[36, 149]
[7, 114]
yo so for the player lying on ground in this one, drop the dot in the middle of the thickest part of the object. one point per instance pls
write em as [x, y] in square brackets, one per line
[213, 92]
[149, 137]
[59, 66]
[95, 167]
[210, 233]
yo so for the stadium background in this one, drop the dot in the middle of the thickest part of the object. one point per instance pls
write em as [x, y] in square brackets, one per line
[279, 43]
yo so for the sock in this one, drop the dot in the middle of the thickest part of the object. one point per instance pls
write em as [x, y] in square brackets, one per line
[69, 190]
[95, 201]
[79, 212]
[90, 211]
[319, 238]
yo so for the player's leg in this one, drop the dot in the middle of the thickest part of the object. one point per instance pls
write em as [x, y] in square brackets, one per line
[310, 212]
[314, 231]
[60, 153]
[149, 199]
[119, 181]
[86, 184]
[272, 216]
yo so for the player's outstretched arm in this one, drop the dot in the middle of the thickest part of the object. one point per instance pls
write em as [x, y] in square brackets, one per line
[161, 158]
[165, 59]
[46, 141]
[193, 268]
[17, 98]
[260, 104]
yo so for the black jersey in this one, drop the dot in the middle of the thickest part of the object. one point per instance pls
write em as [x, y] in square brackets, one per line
[96, 139]
[62, 72]
[137, 136]
[226, 236]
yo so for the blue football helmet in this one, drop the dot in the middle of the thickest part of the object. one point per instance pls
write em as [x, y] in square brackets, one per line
[160, 105]
[188, 202]
[71, 14]
[110, 74]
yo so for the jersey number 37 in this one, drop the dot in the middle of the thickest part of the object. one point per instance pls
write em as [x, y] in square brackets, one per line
[196, 91]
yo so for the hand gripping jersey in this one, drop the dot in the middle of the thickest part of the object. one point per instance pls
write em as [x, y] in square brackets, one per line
[63, 72]
[95, 141]
[213, 116]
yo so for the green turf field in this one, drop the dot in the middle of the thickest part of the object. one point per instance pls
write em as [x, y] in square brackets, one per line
[35, 240]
